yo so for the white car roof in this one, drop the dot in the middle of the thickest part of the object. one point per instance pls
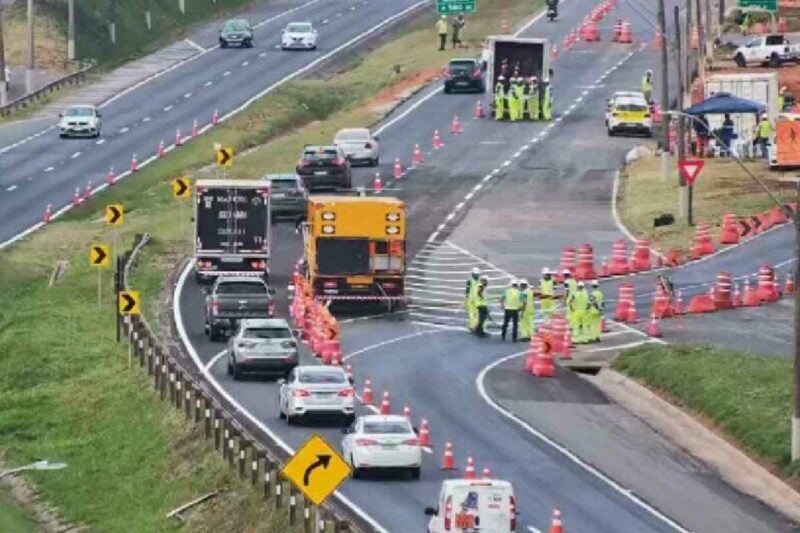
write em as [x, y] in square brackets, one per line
[632, 94]
[80, 106]
[300, 22]
[477, 483]
[383, 418]
[353, 130]
[319, 368]
[264, 323]
[628, 100]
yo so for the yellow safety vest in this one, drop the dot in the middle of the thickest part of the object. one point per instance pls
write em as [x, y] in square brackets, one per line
[441, 27]
[597, 295]
[511, 299]
[528, 294]
[647, 86]
[547, 287]
[764, 129]
[580, 301]
[480, 297]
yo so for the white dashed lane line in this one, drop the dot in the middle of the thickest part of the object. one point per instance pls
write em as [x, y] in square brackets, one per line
[49, 169]
[226, 73]
[146, 119]
[124, 130]
[12, 188]
[75, 155]
[208, 84]
[187, 95]
[262, 54]
[168, 108]
[100, 141]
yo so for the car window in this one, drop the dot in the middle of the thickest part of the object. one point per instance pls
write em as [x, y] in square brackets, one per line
[632, 107]
[773, 40]
[79, 112]
[386, 428]
[321, 377]
[321, 155]
[267, 333]
[236, 25]
[241, 287]
[462, 66]
[299, 28]
[357, 135]
[283, 184]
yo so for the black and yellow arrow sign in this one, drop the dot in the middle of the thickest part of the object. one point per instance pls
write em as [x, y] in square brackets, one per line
[99, 255]
[115, 214]
[225, 157]
[128, 302]
[181, 187]
[316, 469]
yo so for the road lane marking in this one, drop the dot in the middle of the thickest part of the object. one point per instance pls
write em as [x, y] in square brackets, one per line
[194, 45]
[563, 450]
[226, 73]
[216, 358]
[393, 340]
[262, 54]
[245, 63]
[100, 141]
[533, 529]
[166, 109]
[75, 155]
[49, 169]
[146, 119]
[187, 95]
[12, 188]
[208, 84]
[124, 130]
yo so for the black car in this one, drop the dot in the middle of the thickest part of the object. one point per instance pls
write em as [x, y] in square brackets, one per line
[464, 75]
[324, 167]
[289, 197]
[236, 32]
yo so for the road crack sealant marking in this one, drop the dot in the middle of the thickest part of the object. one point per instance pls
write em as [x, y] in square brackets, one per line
[563, 450]
[302, 70]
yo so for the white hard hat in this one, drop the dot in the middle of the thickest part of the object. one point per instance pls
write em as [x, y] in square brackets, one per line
[546, 270]
[581, 285]
[566, 272]
[515, 282]
[649, 72]
[524, 282]
[476, 271]
[595, 283]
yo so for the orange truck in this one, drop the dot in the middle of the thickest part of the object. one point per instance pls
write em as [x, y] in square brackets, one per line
[355, 248]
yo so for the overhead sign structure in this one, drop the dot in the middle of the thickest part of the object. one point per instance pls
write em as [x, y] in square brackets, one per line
[765, 5]
[316, 469]
[690, 169]
[225, 157]
[115, 214]
[128, 303]
[456, 6]
[182, 187]
[99, 255]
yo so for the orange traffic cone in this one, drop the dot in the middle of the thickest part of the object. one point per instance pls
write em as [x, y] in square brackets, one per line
[416, 157]
[653, 328]
[424, 433]
[469, 471]
[789, 287]
[215, 118]
[397, 169]
[160, 151]
[479, 112]
[632, 317]
[178, 138]
[437, 140]
[87, 192]
[555, 525]
[111, 178]
[504, 28]
[553, 53]
[377, 184]
[48, 213]
[455, 126]
[386, 408]
[348, 372]
[76, 197]
[448, 461]
[407, 411]
[195, 129]
[134, 163]
[366, 396]
[486, 473]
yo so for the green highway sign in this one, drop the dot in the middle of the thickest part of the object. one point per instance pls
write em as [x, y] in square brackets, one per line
[456, 6]
[766, 5]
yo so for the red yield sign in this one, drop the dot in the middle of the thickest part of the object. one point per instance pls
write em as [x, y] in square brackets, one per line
[690, 169]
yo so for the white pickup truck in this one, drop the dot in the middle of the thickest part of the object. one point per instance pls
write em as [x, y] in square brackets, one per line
[767, 50]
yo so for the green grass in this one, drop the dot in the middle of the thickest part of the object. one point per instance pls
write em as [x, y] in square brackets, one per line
[12, 518]
[748, 397]
[721, 187]
[65, 390]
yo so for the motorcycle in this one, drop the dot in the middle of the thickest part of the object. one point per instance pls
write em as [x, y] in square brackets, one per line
[552, 13]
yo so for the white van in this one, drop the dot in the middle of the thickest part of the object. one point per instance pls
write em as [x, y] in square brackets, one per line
[473, 506]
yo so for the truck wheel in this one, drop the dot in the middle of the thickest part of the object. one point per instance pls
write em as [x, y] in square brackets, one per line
[739, 60]
[213, 334]
[774, 61]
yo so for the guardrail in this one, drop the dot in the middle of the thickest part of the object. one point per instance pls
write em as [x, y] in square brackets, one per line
[254, 458]
[25, 101]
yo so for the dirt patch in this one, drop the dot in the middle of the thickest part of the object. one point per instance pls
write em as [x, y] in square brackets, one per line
[389, 98]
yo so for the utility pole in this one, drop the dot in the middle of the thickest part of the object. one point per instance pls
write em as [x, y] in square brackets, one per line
[687, 31]
[701, 51]
[112, 25]
[71, 30]
[31, 61]
[662, 27]
[796, 410]
[3, 82]
[148, 16]
[721, 20]
[683, 190]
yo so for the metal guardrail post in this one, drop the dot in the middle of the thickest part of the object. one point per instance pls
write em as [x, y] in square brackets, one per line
[292, 506]
[198, 404]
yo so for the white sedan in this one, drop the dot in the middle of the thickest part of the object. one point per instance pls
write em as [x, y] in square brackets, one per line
[299, 36]
[79, 121]
[359, 145]
[382, 441]
[316, 390]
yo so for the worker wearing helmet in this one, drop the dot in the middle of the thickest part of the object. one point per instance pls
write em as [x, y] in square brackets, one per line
[570, 286]
[526, 325]
[500, 98]
[547, 293]
[595, 318]
[511, 301]
[647, 85]
[519, 94]
[533, 100]
[579, 309]
[469, 298]
[482, 305]
[546, 95]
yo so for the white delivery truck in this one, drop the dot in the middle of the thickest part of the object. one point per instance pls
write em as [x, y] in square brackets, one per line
[756, 86]
[516, 57]
[474, 505]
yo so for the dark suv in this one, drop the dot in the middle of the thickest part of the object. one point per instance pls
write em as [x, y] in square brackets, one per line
[464, 75]
[324, 167]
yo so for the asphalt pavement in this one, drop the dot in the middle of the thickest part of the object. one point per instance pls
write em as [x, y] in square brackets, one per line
[46, 170]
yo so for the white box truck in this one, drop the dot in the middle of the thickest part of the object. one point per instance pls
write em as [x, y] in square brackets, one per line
[516, 56]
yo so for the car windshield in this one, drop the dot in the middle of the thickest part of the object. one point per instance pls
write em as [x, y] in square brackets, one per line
[287, 184]
[352, 135]
[236, 25]
[267, 333]
[462, 66]
[79, 112]
[241, 287]
[632, 107]
[387, 428]
[325, 154]
[299, 28]
[321, 377]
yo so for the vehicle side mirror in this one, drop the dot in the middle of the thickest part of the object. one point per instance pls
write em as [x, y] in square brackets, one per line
[347, 430]
[377, 137]
[271, 291]
[99, 115]
[61, 115]
[352, 380]
[431, 511]
[416, 430]
[204, 290]
[281, 381]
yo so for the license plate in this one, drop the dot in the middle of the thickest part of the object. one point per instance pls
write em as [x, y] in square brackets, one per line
[462, 83]
[231, 259]
[279, 195]
[359, 280]
[324, 394]
[389, 446]
[320, 173]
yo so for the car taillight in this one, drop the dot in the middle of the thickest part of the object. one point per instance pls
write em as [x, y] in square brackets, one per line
[300, 393]
[271, 309]
[330, 284]
[215, 307]
[367, 442]
[411, 442]
[388, 285]
[246, 344]
[339, 162]
[345, 393]
[368, 145]
[448, 513]
[512, 505]
[303, 163]
[446, 74]
[288, 344]
[476, 73]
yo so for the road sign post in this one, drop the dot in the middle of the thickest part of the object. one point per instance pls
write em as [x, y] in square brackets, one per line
[316, 469]
[181, 190]
[447, 7]
[690, 169]
[99, 258]
[115, 216]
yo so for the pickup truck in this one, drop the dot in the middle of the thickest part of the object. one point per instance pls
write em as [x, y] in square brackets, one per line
[233, 298]
[767, 50]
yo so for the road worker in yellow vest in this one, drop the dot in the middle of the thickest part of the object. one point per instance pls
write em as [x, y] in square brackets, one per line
[547, 293]
[469, 298]
[579, 312]
[595, 312]
[526, 326]
[570, 286]
[500, 98]
[511, 300]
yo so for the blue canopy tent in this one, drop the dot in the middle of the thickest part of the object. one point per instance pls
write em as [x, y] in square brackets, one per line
[721, 103]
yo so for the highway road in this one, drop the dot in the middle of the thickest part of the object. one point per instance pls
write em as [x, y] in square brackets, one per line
[45, 170]
[426, 359]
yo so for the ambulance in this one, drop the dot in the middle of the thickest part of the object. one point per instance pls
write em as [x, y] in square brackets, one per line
[474, 506]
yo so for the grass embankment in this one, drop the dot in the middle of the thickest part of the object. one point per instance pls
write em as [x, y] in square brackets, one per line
[65, 390]
[12, 518]
[747, 397]
[722, 187]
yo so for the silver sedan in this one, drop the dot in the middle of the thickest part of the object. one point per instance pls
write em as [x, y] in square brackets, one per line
[262, 345]
[359, 146]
